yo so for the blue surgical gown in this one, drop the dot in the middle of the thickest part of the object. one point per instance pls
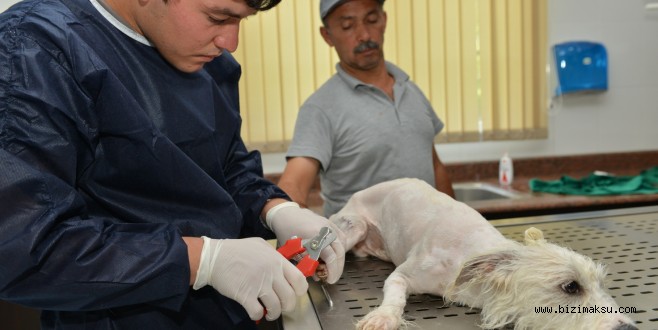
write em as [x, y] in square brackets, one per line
[108, 156]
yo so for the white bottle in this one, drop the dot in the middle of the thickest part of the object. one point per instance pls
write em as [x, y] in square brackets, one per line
[505, 171]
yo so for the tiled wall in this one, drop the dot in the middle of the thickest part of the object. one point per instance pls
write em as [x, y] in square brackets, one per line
[623, 163]
[626, 163]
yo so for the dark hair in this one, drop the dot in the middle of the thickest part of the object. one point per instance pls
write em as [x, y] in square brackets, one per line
[262, 5]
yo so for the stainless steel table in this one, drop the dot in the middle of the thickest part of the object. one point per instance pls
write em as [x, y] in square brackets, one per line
[624, 239]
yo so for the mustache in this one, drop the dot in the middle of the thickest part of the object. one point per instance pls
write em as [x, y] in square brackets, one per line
[366, 45]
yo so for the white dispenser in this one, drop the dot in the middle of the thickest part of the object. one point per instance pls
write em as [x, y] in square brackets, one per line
[505, 170]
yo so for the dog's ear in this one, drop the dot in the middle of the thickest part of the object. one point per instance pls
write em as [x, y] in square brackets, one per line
[484, 266]
[534, 236]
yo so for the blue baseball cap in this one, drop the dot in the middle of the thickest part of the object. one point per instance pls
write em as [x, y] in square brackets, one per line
[327, 6]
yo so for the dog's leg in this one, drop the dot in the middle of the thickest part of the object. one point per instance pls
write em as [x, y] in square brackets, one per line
[388, 316]
[353, 225]
[353, 229]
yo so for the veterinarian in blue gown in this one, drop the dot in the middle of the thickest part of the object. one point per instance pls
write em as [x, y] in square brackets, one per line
[127, 197]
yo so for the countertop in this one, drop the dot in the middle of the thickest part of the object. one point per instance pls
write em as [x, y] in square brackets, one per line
[553, 168]
[544, 168]
[532, 203]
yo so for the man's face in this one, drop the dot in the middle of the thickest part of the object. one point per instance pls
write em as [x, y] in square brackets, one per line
[356, 29]
[190, 33]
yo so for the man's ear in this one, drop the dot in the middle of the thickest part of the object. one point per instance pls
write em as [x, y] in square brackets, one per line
[325, 35]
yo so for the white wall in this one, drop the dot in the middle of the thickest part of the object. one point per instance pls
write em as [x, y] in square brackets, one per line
[4, 4]
[625, 118]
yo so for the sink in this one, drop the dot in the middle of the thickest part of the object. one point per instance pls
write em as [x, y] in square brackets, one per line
[477, 191]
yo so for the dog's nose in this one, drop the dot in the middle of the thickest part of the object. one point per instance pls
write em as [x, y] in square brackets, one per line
[626, 326]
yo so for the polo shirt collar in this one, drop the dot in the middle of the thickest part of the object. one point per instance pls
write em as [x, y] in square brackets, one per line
[399, 75]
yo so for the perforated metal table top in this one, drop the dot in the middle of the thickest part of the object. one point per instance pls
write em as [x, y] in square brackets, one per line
[625, 240]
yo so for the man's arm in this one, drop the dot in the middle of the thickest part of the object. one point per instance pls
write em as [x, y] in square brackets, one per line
[441, 178]
[298, 178]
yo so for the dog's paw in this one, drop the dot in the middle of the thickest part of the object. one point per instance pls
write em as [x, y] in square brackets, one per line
[322, 273]
[382, 318]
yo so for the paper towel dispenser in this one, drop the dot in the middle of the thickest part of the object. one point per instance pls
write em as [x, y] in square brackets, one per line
[580, 66]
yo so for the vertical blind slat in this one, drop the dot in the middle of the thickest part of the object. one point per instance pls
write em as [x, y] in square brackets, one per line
[529, 62]
[419, 35]
[499, 70]
[289, 72]
[438, 89]
[485, 56]
[454, 67]
[271, 65]
[254, 105]
[480, 62]
[515, 60]
[471, 109]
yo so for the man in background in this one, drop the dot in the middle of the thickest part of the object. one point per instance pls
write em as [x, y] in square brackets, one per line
[368, 123]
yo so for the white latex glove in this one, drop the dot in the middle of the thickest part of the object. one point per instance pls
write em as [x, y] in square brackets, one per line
[288, 219]
[250, 269]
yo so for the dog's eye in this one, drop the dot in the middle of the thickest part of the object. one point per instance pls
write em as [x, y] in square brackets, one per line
[571, 288]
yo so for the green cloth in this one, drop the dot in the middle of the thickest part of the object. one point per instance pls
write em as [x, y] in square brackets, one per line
[598, 185]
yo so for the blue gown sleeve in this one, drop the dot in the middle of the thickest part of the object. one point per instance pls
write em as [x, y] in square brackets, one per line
[54, 254]
[244, 171]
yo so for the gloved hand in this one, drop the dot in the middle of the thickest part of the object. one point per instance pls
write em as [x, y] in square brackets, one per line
[288, 219]
[249, 269]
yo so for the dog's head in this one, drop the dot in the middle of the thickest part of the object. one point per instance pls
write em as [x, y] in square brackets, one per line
[522, 284]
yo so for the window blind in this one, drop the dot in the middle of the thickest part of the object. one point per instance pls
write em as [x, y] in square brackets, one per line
[481, 63]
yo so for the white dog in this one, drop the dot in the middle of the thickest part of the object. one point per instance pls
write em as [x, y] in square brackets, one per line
[443, 247]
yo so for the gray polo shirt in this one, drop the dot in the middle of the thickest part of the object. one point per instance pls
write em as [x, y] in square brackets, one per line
[361, 137]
